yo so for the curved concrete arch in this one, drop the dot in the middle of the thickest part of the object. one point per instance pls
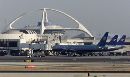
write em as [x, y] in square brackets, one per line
[81, 27]
[44, 18]
[19, 17]
[10, 25]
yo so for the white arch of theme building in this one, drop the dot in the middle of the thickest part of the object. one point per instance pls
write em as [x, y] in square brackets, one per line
[45, 19]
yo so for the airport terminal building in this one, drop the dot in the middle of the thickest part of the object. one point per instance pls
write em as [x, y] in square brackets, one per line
[41, 36]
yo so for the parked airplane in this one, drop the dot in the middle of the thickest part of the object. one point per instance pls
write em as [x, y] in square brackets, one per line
[82, 49]
[114, 44]
[100, 47]
[103, 40]
[101, 44]
[122, 40]
[113, 41]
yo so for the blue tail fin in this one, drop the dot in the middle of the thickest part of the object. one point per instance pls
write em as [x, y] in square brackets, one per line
[103, 40]
[113, 41]
[122, 40]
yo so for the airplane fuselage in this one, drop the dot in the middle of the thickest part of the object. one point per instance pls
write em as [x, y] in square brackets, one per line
[83, 48]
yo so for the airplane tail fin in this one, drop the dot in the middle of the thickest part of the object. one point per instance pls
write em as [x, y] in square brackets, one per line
[103, 40]
[113, 41]
[122, 40]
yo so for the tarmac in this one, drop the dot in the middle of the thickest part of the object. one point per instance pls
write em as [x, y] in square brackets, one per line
[64, 75]
[66, 59]
[76, 67]
[64, 66]
[64, 69]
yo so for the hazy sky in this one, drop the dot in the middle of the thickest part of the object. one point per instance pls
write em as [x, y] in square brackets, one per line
[98, 16]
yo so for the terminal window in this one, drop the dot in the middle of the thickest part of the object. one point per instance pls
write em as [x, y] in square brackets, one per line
[12, 43]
